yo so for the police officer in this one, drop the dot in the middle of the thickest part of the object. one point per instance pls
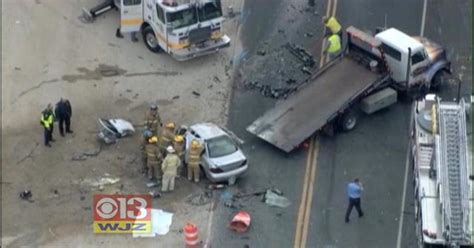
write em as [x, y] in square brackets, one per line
[153, 120]
[153, 158]
[194, 158]
[47, 121]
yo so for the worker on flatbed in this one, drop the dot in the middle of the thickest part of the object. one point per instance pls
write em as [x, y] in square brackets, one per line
[333, 25]
[333, 46]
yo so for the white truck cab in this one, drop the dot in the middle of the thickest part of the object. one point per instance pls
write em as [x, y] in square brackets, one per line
[413, 61]
[182, 28]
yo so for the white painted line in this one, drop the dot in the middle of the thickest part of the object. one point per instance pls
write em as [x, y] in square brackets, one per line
[423, 18]
[402, 207]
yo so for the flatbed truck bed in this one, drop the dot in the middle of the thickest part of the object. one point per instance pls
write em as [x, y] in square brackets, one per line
[326, 95]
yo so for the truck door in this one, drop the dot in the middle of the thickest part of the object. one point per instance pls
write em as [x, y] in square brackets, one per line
[419, 64]
[131, 15]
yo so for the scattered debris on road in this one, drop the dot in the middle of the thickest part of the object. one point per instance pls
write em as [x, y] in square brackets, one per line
[216, 186]
[101, 182]
[26, 195]
[301, 54]
[155, 194]
[175, 97]
[274, 197]
[160, 224]
[152, 184]
[196, 93]
[241, 222]
[269, 91]
[261, 52]
[199, 198]
[87, 153]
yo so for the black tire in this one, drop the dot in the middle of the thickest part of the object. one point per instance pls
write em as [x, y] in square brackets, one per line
[150, 39]
[348, 120]
[438, 79]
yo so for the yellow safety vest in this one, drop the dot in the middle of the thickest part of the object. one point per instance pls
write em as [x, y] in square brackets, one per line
[333, 25]
[47, 120]
[335, 43]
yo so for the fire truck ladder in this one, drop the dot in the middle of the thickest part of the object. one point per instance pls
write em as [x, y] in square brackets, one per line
[454, 167]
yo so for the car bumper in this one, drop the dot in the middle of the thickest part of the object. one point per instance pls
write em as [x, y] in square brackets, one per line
[225, 176]
[194, 51]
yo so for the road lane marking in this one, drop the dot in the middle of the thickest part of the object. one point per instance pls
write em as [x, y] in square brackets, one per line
[407, 165]
[309, 201]
[423, 18]
[301, 211]
[304, 211]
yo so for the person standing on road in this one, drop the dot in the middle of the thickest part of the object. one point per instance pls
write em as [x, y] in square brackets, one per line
[354, 192]
[194, 158]
[153, 158]
[63, 113]
[153, 120]
[169, 167]
[47, 121]
[167, 136]
[178, 146]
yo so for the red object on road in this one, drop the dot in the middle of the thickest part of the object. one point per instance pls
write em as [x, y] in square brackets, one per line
[191, 238]
[241, 222]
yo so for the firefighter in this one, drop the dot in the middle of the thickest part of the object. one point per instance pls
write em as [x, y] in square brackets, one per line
[47, 121]
[169, 167]
[333, 46]
[194, 158]
[153, 158]
[178, 146]
[153, 120]
[146, 135]
[167, 136]
[332, 25]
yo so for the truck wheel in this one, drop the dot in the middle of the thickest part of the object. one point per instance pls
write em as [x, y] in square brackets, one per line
[151, 42]
[348, 120]
[438, 80]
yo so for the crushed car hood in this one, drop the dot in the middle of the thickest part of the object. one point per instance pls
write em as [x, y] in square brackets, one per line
[235, 157]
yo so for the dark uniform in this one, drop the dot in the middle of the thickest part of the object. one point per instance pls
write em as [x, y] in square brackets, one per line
[63, 114]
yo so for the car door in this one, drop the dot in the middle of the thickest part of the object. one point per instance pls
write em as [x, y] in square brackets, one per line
[131, 15]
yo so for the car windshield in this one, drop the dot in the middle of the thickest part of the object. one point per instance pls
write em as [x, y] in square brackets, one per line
[182, 18]
[221, 146]
[210, 10]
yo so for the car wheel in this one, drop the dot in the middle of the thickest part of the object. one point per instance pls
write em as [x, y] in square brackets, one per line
[438, 80]
[150, 39]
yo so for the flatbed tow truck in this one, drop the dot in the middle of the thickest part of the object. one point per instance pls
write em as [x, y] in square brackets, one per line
[366, 75]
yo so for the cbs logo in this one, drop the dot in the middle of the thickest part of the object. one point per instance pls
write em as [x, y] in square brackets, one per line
[122, 207]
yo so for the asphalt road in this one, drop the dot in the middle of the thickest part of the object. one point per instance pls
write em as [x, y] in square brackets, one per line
[375, 151]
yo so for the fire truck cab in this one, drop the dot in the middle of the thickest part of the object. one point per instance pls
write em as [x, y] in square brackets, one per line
[182, 28]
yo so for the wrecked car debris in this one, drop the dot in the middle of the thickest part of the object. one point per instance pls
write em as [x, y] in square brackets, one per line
[113, 129]
[301, 53]
[26, 195]
[274, 198]
[199, 199]
[268, 91]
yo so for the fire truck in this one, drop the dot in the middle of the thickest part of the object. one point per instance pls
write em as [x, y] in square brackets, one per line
[441, 168]
[184, 29]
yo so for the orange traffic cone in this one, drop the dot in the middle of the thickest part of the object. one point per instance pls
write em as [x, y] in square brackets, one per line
[191, 238]
[241, 222]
